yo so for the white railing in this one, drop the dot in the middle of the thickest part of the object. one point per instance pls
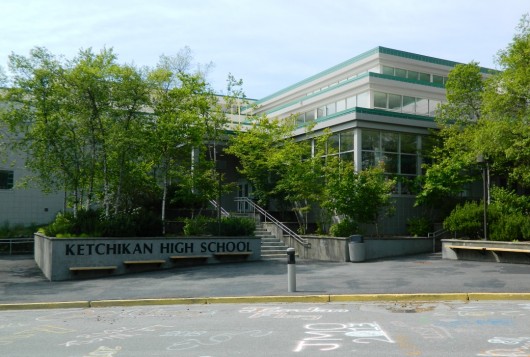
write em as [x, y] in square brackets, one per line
[252, 207]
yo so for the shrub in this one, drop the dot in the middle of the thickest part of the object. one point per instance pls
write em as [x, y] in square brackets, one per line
[196, 226]
[228, 226]
[237, 226]
[509, 227]
[344, 228]
[419, 226]
[466, 219]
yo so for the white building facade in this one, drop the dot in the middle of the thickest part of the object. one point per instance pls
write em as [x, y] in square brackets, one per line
[380, 107]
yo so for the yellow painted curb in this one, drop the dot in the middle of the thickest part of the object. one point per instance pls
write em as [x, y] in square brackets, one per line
[399, 297]
[148, 302]
[499, 296]
[269, 299]
[45, 305]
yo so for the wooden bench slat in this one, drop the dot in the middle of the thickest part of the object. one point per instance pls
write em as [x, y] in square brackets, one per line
[129, 262]
[177, 257]
[110, 267]
[232, 254]
[508, 250]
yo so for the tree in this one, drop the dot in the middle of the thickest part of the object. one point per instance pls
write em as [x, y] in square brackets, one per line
[486, 115]
[363, 197]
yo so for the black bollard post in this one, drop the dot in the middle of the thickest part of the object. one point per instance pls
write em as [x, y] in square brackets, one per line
[291, 270]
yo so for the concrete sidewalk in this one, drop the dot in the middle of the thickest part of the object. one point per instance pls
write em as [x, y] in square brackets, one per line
[21, 281]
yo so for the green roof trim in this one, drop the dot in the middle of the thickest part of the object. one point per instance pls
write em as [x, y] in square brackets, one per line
[373, 112]
[384, 50]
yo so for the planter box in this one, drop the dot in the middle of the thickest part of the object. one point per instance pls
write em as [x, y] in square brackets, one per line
[488, 251]
[72, 258]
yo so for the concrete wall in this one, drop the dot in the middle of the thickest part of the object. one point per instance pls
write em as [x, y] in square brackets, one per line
[336, 249]
[55, 256]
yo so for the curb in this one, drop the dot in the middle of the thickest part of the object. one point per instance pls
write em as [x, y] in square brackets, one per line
[320, 299]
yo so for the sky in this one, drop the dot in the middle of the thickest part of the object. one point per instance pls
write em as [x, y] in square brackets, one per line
[269, 44]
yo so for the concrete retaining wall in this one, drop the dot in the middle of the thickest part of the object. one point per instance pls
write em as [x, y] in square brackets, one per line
[55, 256]
[336, 249]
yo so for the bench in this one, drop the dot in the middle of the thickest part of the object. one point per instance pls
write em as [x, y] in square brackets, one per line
[189, 257]
[144, 262]
[490, 249]
[232, 256]
[109, 269]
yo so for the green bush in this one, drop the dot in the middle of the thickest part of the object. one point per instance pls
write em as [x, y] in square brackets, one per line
[196, 226]
[139, 223]
[509, 227]
[419, 226]
[17, 231]
[466, 220]
[344, 228]
[228, 226]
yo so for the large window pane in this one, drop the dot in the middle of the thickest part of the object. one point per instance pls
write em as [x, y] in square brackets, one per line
[370, 140]
[368, 159]
[300, 119]
[388, 70]
[408, 143]
[310, 116]
[412, 75]
[394, 102]
[348, 156]
[380, 100]
[321, 112]
[363, 100]
[433, 105]
[408, 164]
[391, 162]
[426, 77]
[346, 141]
[333, 144]
[351, 102]
[330, 109]
[341, 105]
[389, 141]
[437, 79]
[422, 106]
[400, 73]
[409, 105]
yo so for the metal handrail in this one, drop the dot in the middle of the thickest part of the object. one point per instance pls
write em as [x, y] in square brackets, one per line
[269, 217]
[224, 212]
[11, 241]
[437, 233]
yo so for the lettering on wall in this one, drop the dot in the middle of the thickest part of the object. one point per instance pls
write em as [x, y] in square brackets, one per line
[105, 248]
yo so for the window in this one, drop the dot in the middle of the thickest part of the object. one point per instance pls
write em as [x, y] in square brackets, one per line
[346, 141]
[394, 102]
[363, 100]
[426, 77]
[412, 75]
[409, 105]
[388, 70]
[6, 180]
[351, 102]
[422, 106]
[333, 144]
[331, 109]
[437, 79]
[433, 105]
[341, 105]
[310, 116]
[401, 73]
[380, 100]
[321, 112]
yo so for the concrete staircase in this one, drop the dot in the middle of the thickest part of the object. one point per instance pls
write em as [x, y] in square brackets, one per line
[271, 247]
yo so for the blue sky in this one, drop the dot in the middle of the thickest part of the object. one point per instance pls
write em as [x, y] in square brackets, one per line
[270, 44]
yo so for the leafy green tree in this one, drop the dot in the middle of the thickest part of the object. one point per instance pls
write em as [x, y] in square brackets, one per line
[363, 197]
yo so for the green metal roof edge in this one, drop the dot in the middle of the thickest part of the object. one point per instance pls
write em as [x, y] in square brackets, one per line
[369, 74]
[374, 112]
[379, 49]
[320, 74]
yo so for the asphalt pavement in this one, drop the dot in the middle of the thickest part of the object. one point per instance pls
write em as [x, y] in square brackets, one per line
[22, 282]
